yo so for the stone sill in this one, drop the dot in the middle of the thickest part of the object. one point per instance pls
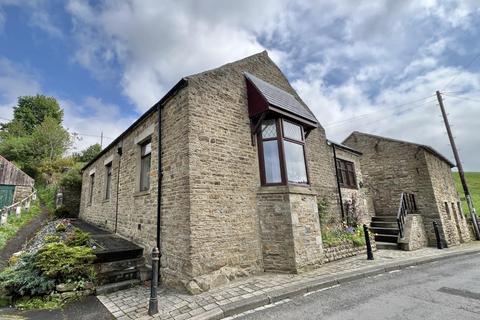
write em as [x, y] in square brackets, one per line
[288, 189]
[141, 193]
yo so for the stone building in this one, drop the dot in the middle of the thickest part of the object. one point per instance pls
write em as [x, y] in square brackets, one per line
[357, 208]
[15, 184]
[243, 163]
[391, 167]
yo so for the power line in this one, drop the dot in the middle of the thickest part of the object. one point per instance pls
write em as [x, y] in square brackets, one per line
[460, 71]
[461, 97]
[392, 108]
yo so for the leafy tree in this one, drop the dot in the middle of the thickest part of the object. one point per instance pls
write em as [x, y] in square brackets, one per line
[89, 153]
[51, 139]
[32, 111]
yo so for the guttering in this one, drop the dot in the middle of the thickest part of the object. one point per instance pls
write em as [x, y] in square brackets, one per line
[159, 177]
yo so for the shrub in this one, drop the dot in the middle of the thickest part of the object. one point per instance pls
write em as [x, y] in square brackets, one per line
[46, 194]
[64, 263]
[25, 278]
[45, 303]
[78, 238]
[52, 238]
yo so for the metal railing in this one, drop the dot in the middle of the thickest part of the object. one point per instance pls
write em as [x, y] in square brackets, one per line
[407, 205]
[17, 207]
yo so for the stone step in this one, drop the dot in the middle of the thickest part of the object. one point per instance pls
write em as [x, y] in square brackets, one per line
[381, 230]
[386, 238]
[118, 276]
[385, 218]
[383, 224]
[113, 287]
[387, 245]
[118, 265]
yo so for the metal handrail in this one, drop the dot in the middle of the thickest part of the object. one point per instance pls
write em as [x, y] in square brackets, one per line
[407, 205]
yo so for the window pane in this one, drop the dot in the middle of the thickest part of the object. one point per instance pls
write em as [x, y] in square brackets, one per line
[295, 159]
[145, 173]
[146, 148]
[292, 131]
[269, 129]
[92, 182]
[108, 182]
[271, 162]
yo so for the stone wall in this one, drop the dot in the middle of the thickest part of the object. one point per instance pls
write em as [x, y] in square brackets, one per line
[358, 197]
[415, 236]
[391, 167]
[345, 250]
[453, 222]
[21, 192]
[137, 216]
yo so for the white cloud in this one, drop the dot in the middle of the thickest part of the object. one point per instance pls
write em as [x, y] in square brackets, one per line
[90, 119]
[15, 81]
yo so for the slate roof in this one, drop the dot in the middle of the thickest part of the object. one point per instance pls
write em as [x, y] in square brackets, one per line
[280, 98]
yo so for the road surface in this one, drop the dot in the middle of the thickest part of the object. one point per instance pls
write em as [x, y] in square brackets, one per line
[448, 289]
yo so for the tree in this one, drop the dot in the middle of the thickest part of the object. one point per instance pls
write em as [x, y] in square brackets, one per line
[50, 140]
[30, 112]
[88, 154]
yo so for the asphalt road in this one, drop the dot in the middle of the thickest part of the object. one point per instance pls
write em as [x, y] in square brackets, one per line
[448, 289]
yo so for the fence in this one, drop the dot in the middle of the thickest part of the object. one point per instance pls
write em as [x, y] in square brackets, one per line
[17, 207]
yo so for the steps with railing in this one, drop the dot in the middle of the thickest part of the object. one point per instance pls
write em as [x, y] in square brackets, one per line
[389, 229]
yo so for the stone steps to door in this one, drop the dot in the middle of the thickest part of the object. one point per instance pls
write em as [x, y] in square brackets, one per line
[386, 231]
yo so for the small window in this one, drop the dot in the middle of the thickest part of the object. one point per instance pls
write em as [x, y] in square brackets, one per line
[346, 174]
[92, 183]
[108, 180]
[447, 210]
[282, 153]
[145, 162]
[460, 211]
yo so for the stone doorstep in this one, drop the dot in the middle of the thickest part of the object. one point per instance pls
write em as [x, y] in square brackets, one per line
[297, 289]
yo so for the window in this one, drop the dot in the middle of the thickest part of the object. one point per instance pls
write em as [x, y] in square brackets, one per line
[447, 210]
[145, 162]
[92, 182]
[282, 153]
[346, 174]
[460, 212]
[108, 180]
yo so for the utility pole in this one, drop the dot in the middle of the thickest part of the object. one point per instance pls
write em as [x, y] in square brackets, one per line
[471, 208]
[101, 140]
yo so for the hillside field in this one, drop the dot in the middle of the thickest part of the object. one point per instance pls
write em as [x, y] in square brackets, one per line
[473, 181]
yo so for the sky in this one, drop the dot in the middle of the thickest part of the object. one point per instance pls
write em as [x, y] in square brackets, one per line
[370, 66]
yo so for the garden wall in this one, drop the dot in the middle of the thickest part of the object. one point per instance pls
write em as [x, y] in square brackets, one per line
[345, 250]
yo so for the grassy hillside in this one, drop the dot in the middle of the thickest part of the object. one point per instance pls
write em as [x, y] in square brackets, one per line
[473, 180]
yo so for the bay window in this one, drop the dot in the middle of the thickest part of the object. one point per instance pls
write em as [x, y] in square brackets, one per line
[282, 153]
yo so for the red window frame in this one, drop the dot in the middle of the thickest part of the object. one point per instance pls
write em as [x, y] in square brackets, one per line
[280, 138]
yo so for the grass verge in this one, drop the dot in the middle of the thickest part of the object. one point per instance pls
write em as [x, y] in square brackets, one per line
[473, 181]
[15, 223]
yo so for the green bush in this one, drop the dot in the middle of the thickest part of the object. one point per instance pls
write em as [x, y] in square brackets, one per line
[64, 263]
[25, 279]
[44, 303]
[337, 236]
[46, 194]
[78, 238]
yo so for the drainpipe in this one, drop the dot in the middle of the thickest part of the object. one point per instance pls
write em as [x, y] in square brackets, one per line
[119, 151]
[159, 178]
[338, 182]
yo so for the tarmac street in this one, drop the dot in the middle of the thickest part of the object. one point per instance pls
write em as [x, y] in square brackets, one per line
[447, 289]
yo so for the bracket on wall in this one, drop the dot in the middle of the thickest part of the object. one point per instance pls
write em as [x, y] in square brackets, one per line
[255, 126]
